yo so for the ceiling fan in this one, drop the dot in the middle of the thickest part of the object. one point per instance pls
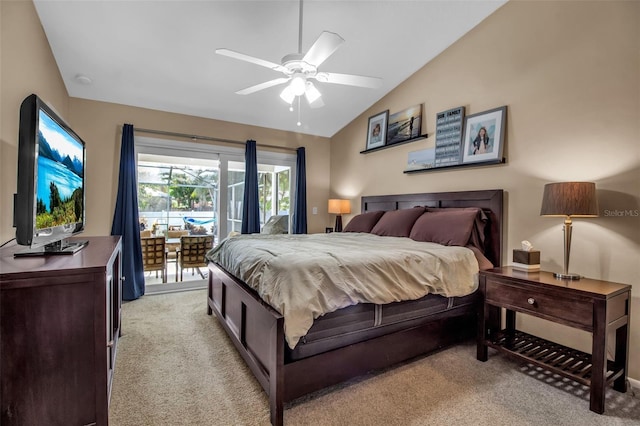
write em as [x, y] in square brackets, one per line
[299, 69]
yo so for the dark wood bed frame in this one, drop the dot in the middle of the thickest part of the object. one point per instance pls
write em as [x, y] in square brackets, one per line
[257, 330]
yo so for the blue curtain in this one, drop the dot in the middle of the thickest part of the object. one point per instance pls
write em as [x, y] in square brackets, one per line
[251, 203]
[125, 219]
[300, 212]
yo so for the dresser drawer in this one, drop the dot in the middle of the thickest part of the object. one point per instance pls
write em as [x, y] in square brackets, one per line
[574, 311]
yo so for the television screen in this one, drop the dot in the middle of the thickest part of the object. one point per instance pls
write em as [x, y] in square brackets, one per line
[49, 203]
[59, 198]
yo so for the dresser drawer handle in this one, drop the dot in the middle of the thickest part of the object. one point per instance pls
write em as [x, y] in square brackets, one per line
[531, 301]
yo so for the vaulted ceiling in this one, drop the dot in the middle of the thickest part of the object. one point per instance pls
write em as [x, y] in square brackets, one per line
[161, 54]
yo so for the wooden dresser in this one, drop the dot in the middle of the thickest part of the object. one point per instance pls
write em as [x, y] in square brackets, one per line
[59, 329]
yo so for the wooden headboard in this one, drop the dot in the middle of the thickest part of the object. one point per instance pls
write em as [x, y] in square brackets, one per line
[490, 201]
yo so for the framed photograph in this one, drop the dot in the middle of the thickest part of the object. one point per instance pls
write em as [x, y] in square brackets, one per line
[484, 136]
[404, 125]
[421, 160]
[377, 133]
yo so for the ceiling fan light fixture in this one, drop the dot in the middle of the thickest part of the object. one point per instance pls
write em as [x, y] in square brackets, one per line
[312, 93]
[287, 95]
[298, 84]
[300, 67]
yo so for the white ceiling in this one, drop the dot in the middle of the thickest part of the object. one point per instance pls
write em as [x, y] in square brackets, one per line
[160, 54]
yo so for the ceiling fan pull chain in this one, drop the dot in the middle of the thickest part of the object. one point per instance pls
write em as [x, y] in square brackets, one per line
[299, 123]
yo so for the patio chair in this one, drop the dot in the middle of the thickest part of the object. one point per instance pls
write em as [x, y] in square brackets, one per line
[192, 252]
[177, 233]
[173, 246]
[153, 255]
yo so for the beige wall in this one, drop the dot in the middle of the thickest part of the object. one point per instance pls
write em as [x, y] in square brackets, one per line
[569, 73]
[28, 67]
[100, 125]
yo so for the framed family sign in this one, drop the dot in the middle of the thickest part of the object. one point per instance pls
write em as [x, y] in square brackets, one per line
[449, 129]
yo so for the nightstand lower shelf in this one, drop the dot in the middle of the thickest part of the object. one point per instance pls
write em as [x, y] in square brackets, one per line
[558, 359]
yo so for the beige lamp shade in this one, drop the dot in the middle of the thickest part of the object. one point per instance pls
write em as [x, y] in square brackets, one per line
[573, 199]
[337, 206]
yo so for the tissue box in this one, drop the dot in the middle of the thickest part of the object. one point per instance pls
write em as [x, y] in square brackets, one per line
[527, 260]
[527, 257]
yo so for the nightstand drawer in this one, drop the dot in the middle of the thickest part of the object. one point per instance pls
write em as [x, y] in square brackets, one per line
[571, 311]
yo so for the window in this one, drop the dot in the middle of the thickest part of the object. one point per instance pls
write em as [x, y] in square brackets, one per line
[274, 192]
[177, 194]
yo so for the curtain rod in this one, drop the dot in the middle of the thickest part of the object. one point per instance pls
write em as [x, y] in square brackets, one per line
[206, 138]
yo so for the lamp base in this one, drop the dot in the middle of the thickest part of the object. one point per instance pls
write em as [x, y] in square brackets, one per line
[338, 227]
[561, 276]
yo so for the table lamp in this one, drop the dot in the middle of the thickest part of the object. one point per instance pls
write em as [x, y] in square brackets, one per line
[339, 207]
[569, 199]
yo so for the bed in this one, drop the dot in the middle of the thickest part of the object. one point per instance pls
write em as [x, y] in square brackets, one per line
[353, 340]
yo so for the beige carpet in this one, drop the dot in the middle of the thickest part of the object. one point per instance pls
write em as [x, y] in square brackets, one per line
[176, 366]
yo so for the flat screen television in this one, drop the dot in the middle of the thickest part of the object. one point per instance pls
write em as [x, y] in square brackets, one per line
[49, 203]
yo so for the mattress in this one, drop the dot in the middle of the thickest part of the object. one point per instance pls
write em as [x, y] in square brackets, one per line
[365, 321]
[307, 276]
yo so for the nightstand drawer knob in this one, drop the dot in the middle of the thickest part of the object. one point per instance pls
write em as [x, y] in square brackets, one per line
[531, 301]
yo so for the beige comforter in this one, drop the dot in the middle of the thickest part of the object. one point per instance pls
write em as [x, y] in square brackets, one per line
[306, 276]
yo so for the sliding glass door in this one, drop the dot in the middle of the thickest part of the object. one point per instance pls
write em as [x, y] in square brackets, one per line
[200, 187]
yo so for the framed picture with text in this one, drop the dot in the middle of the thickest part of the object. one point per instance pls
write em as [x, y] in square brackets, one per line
[377, 131]
[484, 136]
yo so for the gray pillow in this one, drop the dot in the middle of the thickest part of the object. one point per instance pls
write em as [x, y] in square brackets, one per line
[277, 224]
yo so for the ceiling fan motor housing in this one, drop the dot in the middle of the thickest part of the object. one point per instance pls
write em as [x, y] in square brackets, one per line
[294, 64]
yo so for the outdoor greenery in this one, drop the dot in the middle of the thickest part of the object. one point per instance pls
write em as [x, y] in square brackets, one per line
[170, 188]
[178, 188]
[265, 195]
[68, 210]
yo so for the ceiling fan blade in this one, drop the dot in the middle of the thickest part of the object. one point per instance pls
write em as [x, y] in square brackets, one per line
[322, 48]
[349, 79]
[263, 86]
[251, 59]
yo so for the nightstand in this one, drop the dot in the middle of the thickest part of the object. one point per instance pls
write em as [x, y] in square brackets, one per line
[596, 306]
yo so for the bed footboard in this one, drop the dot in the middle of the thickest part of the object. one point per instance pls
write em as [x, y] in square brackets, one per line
[256, 330]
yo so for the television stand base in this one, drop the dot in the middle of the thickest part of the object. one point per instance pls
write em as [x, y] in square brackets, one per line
[60, 248]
